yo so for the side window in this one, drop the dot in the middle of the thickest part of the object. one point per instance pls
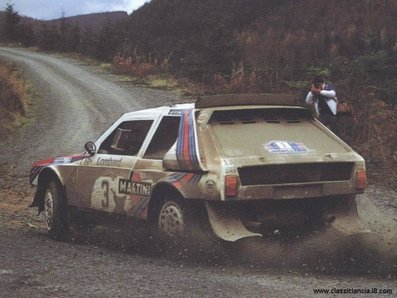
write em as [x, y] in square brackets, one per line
[127, 138]
[164, 137]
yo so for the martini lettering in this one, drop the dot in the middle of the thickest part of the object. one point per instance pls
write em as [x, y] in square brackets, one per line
[134, 188]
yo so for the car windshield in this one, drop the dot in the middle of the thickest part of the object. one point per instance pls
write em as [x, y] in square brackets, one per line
[257, 132]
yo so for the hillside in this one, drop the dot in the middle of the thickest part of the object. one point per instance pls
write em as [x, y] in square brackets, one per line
[266, 35]
[94, 21]
[234, 46]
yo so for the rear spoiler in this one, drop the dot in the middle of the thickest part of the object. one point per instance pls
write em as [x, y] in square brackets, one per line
[222, 100]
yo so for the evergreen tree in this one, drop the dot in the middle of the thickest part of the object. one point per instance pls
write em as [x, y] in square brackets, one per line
[107, 42]
[49, 37]
[11, 22]
[87, 43]
[26, 35]
[69, 37]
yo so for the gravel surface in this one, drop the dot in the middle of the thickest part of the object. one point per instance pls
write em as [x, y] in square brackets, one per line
[75, 103]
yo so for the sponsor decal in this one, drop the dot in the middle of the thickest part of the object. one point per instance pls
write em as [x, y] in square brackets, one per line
[129, 187]
[210, 186]
[285, 147]
[109, 162]
[86, 161]
[138, 201]
[175, 112]
[62, 160]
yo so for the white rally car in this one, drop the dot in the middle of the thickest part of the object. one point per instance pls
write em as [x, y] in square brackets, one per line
[234, 161]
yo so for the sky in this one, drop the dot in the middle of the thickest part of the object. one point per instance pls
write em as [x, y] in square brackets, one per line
[52, 9]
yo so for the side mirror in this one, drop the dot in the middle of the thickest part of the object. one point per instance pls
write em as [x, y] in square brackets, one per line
[90, 148]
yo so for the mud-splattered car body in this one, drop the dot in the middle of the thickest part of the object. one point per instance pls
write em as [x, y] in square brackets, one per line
[246, 158]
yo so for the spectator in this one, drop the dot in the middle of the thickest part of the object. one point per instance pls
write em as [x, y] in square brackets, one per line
[323, 96]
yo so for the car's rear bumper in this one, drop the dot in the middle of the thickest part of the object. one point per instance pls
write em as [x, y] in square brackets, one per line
[296, 190]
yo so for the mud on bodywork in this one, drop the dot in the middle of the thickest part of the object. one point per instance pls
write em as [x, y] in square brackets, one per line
[246, 151]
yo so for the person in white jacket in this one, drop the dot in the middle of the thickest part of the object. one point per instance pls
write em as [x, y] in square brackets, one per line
[323, 96]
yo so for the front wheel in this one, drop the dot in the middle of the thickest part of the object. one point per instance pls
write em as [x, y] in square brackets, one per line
[55, 211]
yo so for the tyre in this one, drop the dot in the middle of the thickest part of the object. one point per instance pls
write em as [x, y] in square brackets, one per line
[182, 224]
[55, 211]
[173, 220]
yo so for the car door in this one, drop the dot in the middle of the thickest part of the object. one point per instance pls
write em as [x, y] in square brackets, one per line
[98, 179]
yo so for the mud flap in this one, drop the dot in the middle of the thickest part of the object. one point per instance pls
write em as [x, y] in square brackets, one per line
[225, 224]
[349, 226]
[346, 220]
[38, 200]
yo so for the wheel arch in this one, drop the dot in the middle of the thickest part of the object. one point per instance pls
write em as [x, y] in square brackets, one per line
[159, 193]
[47, 174]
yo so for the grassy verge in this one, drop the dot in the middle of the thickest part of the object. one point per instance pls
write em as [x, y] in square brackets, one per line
[15, 97]
[167, 82]
[156, 80]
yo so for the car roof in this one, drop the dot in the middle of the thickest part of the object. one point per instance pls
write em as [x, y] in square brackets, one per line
[155, 112]
[253, 99]
[216, 101]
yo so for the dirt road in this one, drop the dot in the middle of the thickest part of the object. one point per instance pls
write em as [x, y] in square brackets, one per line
[75, 103]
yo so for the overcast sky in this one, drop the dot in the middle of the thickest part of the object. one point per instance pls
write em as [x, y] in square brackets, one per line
[52, 9]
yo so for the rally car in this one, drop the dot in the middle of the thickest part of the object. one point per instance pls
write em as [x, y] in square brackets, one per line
[240, 163]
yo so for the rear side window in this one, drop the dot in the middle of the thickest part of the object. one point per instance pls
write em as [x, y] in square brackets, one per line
[164, 137]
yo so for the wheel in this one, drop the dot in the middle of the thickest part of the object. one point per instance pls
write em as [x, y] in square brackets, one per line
[173, 220]
[55, 211]
[182, 224]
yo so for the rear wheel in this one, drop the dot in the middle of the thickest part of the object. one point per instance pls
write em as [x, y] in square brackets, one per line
[55, 211]
[173, 220]
[181, 223]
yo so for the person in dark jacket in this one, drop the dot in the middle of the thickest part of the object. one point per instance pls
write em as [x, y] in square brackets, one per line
[323, 96]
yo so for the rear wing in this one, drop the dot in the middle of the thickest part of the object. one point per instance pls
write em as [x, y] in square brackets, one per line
[222, 100]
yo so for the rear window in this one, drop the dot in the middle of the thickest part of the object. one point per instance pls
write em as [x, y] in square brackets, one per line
[259, 115]
[256, 132]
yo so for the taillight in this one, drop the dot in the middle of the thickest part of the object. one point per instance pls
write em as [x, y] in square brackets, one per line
[361, 179]
[231, 185]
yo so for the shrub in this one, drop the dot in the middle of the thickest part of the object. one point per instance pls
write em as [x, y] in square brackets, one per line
[239, 82]
[138, 66]
[13, 96]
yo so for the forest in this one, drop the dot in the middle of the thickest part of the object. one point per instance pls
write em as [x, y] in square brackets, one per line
[234, 46]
